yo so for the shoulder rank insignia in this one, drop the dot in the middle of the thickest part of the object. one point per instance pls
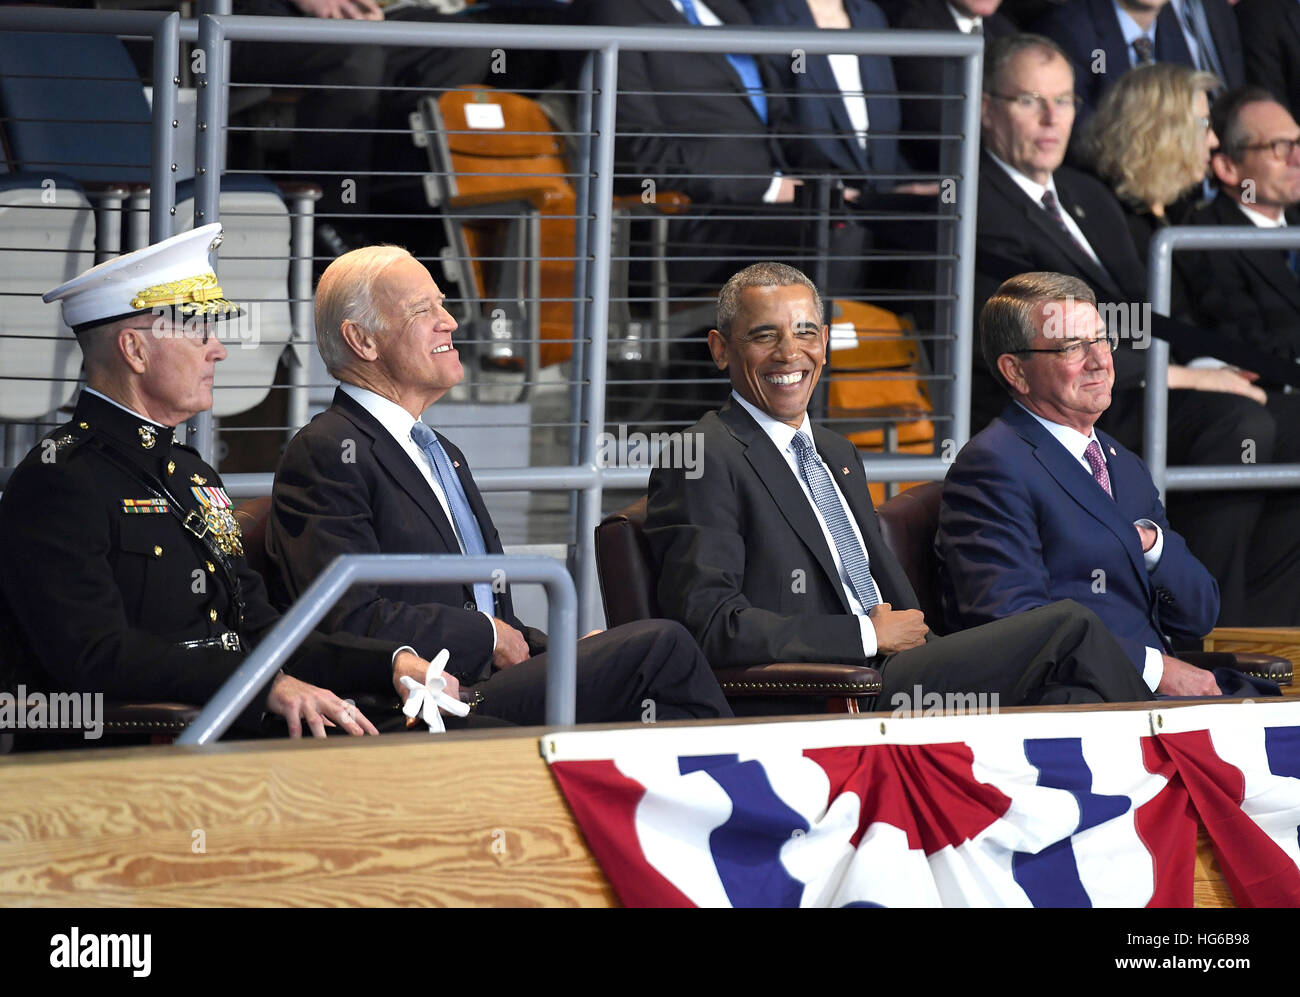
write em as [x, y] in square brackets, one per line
[144, 505]
[67, 439]
[147, 436]
[221, 523]
[198, 479]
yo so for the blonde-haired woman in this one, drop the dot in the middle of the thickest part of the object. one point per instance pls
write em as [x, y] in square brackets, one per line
[1151, 140]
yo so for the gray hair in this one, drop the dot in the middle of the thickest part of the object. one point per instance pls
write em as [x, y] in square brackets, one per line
[346, 291]
[760, 275]
[1225, 118]
[997, 54]
[1012, 317]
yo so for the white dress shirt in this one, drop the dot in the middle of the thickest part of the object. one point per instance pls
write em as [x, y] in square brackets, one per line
[1076, 443]
[965, 23]
[1035, 190]
[848, 77]
[399, 423]
[1259, 219]
[782, 437]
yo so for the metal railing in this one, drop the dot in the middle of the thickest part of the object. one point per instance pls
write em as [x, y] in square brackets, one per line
[354, 569]
[1156, 401]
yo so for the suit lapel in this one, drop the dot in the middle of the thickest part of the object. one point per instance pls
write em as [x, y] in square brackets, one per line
[1171, 46]
[1098, 236]
[399, 467]
[1078, 484]
[1106, 23]
[1036, 215]
[786, 492]
[1269, 264]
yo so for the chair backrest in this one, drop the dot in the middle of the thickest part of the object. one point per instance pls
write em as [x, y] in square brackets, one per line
[253, 516]
[909, 522]
[493, 146]
[625, 567]
[95, 127]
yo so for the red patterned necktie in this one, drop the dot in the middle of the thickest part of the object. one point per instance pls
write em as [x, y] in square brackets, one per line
[1098, 464]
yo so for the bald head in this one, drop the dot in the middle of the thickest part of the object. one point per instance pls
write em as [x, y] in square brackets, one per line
[346, 292]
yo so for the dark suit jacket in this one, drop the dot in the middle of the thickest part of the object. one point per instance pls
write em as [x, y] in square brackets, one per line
[742, 560]
[918, 74]
[1023, 524]
[1270, 35]
[1251, 296]
[1082, 27]
[325, 504]
[830, 144]
[1016, 235]
[698, 142]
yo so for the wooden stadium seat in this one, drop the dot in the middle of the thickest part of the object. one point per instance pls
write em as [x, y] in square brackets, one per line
[628, 586]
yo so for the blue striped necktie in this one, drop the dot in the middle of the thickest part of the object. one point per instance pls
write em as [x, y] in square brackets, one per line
[852, 554]
[463, 520]
[744, 65]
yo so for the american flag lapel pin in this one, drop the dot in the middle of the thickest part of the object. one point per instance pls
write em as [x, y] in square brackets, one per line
[844, 470]
[455, 463]
[1112, 452]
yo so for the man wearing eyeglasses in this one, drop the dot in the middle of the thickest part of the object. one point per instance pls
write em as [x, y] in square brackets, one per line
[1037, 215]
[1041, 506]
[1252, 295]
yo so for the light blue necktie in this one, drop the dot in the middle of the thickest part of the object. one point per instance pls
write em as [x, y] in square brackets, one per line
[462, 516]
[744, 65]
[852, 554]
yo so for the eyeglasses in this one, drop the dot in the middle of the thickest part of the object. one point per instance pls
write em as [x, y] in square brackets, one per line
[1280, 147]
[1075, 349]
[1203, 124]
[1028, 103]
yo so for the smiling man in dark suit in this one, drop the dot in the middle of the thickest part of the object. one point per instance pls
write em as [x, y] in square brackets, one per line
[773, 553]
[1251, 295]
[368, 476]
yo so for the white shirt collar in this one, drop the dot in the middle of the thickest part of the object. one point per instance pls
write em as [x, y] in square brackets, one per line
[1073, 440]
[1258, 218]
[114, 401]
[777, 431]
[965, 24]
[388, 413]
[1031, 187]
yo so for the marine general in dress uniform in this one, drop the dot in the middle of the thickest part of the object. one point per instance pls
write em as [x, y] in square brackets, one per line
[123, 571]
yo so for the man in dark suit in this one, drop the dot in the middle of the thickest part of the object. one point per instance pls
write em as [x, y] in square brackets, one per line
[707, 125]
[367, 476]
[773, 553]
[1214, 411]
[1105, 38]
[919, 74]
[123, 571]
[1254, 295]
[1270, 33]
[1041, 506]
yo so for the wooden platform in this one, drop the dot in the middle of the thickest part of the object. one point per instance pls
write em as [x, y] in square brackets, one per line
[1282, 641]
[471, 819]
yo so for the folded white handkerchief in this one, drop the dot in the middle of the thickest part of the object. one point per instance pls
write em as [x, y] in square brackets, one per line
[424, 700]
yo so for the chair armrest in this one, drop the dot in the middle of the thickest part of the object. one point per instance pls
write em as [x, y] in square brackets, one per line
[536, 197]
[1260, 666]
[148, 718]
[800, 678]
[299, 188]
[666, 202]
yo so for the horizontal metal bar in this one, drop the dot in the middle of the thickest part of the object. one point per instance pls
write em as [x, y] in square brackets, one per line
[353, 569]
[1223, 477]
[585, 38]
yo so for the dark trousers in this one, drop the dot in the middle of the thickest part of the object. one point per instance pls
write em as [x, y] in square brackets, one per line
[1055, 654]
[646, 671]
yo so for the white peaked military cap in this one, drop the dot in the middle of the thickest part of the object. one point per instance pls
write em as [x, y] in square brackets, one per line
[175, 274]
